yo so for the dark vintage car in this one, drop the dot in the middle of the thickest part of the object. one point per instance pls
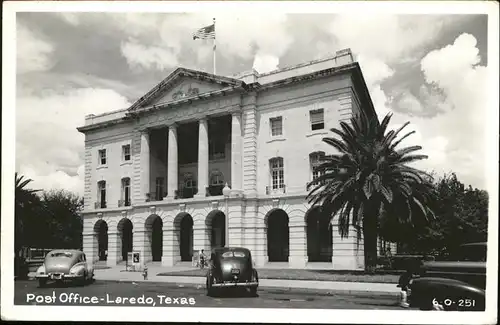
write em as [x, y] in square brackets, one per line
[455, 282]
[65, 265]
[231, 267]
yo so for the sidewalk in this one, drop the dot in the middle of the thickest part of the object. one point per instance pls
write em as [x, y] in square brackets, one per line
[119, 274]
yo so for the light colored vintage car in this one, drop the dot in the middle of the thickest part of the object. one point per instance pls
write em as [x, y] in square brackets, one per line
[65, 265]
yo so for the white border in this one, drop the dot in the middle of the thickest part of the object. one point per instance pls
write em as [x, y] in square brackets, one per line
[11, 312]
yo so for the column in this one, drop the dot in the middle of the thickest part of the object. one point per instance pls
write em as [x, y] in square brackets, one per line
[202, 158]
[114, 248]
[348, 254]
[140, 239]
[145, 165]
[169, 246]
[172, 164]
[236, 150]
[91, 247]
[250, 146]
[298, 247]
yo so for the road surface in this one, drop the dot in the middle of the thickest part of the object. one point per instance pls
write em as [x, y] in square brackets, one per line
[107, 293]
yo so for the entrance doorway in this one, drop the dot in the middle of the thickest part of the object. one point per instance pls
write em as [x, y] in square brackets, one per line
[277, 236]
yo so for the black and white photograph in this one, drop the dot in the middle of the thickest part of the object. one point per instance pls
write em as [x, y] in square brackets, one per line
[292, 162]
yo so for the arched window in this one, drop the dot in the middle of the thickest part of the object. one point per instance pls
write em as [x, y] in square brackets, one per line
[216, 178]
[101, 195]
[125, 201]
[277, 173]
[316, 158]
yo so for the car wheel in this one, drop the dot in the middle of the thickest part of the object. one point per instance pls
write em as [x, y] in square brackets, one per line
[42, 283]
[253, 291]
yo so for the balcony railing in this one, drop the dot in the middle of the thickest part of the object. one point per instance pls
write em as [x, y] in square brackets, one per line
[279, 190]
[186, 193]
[100, 205]
[214, 190]
[123, 203]
[154, 196]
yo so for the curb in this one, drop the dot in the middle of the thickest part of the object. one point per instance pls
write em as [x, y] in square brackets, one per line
[324, 292]
[281, 279]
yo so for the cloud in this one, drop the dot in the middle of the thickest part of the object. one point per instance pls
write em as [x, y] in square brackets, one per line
[148, 57]
[375, 71]
[55, 180]
[391, 38]
[455, 71]
[265, 63]
[70, 18]
[48, 147]
[33, 53]
[238, 36]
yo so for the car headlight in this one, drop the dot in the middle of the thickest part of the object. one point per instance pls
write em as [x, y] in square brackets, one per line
[76, 269]
[41, 269]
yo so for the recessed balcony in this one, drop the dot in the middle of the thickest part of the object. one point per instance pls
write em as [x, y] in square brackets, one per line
[124, 203]
[275, 190]
[100, 205]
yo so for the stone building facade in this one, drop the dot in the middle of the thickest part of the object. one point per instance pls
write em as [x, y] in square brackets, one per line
[203, 160]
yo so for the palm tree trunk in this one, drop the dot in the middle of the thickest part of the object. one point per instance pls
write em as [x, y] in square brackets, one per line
[370, 241]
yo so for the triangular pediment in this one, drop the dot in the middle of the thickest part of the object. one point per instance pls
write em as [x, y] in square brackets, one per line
[184, 83]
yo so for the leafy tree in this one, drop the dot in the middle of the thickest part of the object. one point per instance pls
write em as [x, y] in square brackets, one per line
[461, 217]
[63, 223]
[46, 219]
[369, 177]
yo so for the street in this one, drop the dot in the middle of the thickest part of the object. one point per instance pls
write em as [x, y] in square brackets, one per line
[104, 293]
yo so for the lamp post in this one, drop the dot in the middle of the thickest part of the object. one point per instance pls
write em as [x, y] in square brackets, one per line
[225, 191]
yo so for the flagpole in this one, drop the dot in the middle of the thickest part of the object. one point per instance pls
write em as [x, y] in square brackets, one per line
[214, 47]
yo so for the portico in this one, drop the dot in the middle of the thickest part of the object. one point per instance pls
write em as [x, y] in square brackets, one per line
[204, 167]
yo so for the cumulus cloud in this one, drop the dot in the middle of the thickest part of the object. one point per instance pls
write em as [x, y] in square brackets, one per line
[48, 147]
[70, 18]
[391, 38]
[265, 63]
[238, 36]
[33, 53]
[148, 57]
[375, 71]
[454, 140]
[454, 69]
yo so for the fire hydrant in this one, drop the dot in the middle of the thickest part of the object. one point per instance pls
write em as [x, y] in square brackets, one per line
[145, 273]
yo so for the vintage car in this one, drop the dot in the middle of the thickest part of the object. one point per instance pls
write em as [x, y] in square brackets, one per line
[65, 265]
[456, 282]
[231, 267]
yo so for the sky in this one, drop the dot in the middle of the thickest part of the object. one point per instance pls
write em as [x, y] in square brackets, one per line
[430, 70]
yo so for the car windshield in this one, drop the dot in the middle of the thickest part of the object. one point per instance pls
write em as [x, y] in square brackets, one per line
[61, 254]
[233, 254]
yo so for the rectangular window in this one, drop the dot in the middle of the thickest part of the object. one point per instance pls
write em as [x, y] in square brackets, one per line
[159, 188]
[101, 194]
[276, 126]
[126, 191]
[277, 173]
[102, 157]
[126, 152]
[316, 160]
[317, 119]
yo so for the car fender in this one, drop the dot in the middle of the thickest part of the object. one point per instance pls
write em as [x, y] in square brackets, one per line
[424, 290]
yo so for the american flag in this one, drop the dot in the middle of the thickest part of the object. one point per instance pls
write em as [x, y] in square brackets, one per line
[207, 32]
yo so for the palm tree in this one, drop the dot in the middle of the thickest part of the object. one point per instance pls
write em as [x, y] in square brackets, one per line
[25, 200]
[369, 178]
